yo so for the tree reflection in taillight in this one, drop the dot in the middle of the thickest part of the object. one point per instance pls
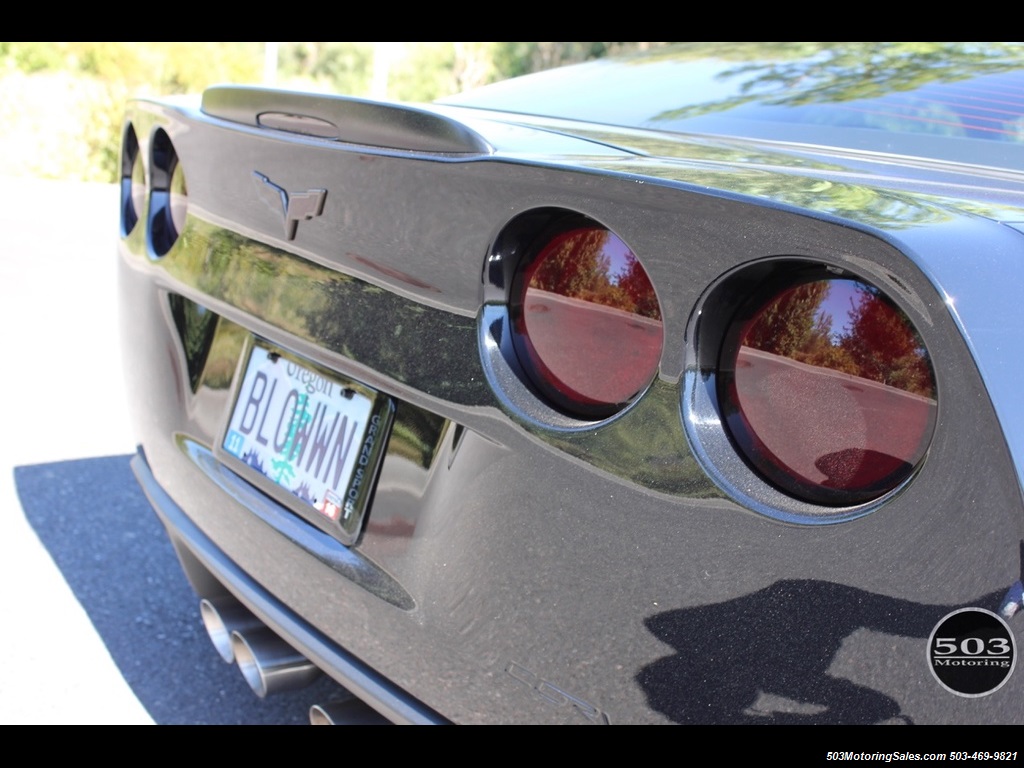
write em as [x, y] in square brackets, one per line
[587, 321]
[828, 391]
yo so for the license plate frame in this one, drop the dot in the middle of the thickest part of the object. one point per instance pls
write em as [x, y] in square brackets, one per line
[307, 436]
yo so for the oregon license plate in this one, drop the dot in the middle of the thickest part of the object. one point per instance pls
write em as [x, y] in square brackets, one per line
[309, 437]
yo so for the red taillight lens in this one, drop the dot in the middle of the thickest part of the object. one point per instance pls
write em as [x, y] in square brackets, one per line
[587, 321]
[828, 391]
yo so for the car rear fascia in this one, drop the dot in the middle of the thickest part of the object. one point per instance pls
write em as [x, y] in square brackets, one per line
[458, 529]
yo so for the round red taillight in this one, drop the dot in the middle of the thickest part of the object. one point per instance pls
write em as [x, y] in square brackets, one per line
[587, 323]
[827, 390]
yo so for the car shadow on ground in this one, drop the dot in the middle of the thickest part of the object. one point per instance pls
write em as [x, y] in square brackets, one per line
[98, 527]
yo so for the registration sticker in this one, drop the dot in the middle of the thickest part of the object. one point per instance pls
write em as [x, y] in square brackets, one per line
[312, 438]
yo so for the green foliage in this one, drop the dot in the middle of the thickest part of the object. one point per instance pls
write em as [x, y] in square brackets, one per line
[340, 67]
[32, 57]
[514, 59]
[426, 71]
[62, 103]
[423, 73]
[59, 125]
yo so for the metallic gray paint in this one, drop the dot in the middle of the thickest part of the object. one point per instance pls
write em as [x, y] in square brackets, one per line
[599, 557]
[354, 121]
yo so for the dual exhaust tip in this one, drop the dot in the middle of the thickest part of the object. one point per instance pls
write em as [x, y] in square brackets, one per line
[269, 664]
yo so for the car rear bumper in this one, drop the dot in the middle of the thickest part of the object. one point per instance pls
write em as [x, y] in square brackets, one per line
[216, 577]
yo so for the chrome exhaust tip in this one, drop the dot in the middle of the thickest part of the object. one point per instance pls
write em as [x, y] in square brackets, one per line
[349, 712]
[268, 664]
[222, 616]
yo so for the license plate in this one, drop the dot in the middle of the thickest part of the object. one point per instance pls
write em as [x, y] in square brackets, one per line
[310, 438]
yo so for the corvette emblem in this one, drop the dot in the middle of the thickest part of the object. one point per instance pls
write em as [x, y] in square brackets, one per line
[293, 207]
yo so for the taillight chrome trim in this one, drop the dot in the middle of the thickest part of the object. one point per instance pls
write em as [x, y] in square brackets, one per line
[568, 366]
[715, 326]
[167, 194]
[131, 162]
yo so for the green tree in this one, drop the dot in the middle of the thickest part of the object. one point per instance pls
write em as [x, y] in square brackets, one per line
[62, 103]
[74, 92]
[344, 68]
[514, 59]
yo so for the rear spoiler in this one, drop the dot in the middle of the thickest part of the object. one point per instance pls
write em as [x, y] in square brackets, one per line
[344, 119]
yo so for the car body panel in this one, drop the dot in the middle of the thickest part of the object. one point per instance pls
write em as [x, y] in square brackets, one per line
[518, 565]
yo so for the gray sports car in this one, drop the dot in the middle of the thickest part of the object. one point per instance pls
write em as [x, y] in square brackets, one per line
[674, 388]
